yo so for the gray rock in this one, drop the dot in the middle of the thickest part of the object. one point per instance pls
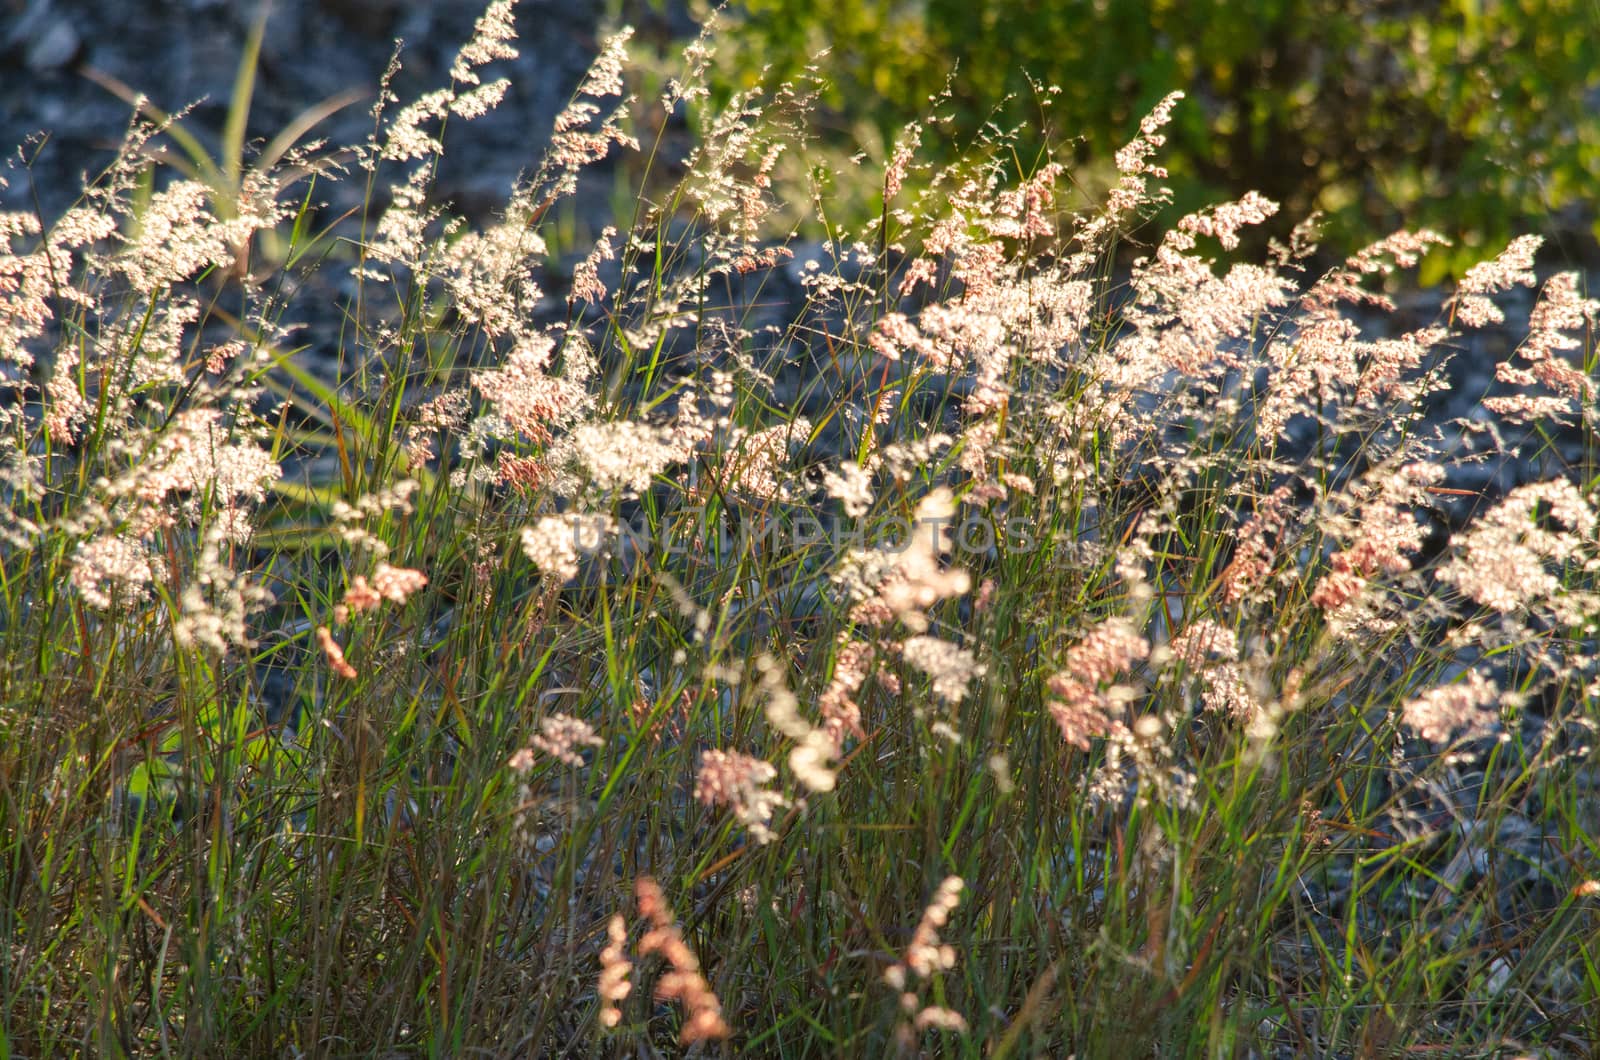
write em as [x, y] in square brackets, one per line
[44, 38]
[178, 52]
[55, 46]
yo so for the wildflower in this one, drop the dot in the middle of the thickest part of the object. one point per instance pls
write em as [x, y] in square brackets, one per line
[1080, 709]
[1000, 767]
[1203, 639]
[560, 736]
[950, 667]
[1024, 212]
[894, 334]
[902, 583]
[1226, 693]
[1111, 647]
[197, 456]
[927, 956]
[110, 563]
[1134, 166]
[528, 399]
[697, 55]
[810, 759]
[476, 102]
[178, 238]
[758, 461]
[1339, 586]
[405, 138]
[445, 414]
[1223, 222]
[670, 721]
[491, 38]
[624, 455]
[1212, 650]
[572, 146]
[935, 1017]
[1559, 309]
[815, 748]
[683, 983]
[921, 271]
[605, 74]
[1513, 268]
[65, 405]
[1528, 408]
[852, 486]
[765, 258]
[555, 543]
[841, 714]
[1383, 541]
[904, 148]
[220, 356]
[615, 968]
[348, 518]
[1323, 355]
[1182, 312]
[488, 275]
[1465, 709]
[738, 781]
[1252, 557]
[1159, 778]
[586, 285]
[395, 584]
[904, 460]
[1388, 361]
[1018, 483]
[216, 603]
[335, 654]
[1502, 559]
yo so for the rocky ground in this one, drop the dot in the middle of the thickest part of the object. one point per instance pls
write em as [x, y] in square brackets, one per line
[182, 52]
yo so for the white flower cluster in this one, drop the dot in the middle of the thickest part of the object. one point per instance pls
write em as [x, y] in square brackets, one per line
[556, 542]
[951, 668]
[625, 454]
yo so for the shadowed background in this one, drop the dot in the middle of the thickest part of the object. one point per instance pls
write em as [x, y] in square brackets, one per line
[1478, 118]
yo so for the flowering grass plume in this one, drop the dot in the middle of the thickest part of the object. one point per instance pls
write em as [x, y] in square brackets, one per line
[682, 982]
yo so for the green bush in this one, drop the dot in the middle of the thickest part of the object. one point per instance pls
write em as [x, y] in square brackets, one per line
[1475, 119]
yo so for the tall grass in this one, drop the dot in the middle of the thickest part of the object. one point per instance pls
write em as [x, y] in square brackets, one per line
[1003, 657]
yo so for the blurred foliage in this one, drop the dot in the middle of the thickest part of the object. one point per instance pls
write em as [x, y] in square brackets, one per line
[1475, 117]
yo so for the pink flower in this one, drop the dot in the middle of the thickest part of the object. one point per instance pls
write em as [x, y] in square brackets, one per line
[614, 970]
[560, 736]
[683, 982]
[738, 781]
[1467, 709]
[335, 654]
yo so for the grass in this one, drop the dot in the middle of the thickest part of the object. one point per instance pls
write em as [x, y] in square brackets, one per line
[1004, 656]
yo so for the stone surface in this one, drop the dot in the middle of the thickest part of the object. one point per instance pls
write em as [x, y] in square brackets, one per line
[53, 47]
[183, 52]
